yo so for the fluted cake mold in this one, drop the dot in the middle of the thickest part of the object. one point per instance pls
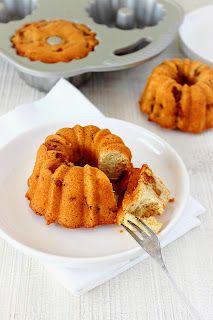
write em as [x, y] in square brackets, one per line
[129, 33]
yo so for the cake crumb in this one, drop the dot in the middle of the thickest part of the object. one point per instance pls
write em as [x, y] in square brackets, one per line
[121, 231]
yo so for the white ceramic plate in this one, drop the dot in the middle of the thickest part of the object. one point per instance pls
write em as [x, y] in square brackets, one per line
[53, 243]
[195, 34]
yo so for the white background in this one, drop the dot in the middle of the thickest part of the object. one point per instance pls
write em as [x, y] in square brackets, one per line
[27, 292]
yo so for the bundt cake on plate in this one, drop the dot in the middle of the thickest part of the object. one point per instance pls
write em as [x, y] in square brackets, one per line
[82, 247]
[70, 183]
[179, 95]
[83, 177]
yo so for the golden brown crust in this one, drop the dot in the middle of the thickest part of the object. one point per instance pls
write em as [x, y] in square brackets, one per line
[68, 187]
[87, 199]
[64, 188]
[31, 41]
[179, 95]
[146, 195]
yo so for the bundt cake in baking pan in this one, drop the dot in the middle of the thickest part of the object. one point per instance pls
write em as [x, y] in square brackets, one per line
[54, 41]
[179, 95]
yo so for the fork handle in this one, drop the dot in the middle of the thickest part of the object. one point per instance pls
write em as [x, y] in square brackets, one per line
[194, 313]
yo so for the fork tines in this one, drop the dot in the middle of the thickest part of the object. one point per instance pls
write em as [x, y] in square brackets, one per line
[147, 239]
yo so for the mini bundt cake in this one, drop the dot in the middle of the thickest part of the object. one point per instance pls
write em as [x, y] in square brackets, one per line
[83, 177]
[54, 41]
[74, 196]
[179, 94]
[70, 183]
[146, 196]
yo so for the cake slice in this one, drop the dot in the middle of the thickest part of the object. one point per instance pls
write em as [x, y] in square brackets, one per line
[146, 197]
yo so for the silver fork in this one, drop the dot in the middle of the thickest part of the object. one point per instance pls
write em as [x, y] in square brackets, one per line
[148, 240]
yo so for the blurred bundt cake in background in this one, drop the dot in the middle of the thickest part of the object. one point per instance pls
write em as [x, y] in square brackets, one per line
[179, 95]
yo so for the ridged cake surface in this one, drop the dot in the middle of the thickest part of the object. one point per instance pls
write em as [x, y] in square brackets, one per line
[91, 145]
[70, 183]
[179, 94]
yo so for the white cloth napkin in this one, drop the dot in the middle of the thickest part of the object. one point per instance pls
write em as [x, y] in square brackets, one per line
[80, 281]
[62, 102]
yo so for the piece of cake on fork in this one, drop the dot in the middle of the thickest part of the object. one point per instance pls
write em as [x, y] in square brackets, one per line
[146, 197]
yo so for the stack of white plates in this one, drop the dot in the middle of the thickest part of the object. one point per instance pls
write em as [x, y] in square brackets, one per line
[196, 34]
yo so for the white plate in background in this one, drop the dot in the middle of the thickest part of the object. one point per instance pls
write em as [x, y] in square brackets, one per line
[195, 34]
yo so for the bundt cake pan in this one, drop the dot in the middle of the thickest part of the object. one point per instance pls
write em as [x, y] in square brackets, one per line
[129, 33]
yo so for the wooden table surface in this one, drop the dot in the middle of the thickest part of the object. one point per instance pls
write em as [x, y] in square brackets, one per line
[28, 292]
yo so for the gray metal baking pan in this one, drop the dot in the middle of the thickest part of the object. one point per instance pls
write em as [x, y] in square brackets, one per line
[129, 33]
